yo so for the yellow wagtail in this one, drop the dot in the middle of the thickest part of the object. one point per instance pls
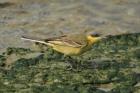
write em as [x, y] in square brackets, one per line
[73, 44]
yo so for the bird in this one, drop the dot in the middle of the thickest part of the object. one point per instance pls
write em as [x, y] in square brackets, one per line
[70, 44]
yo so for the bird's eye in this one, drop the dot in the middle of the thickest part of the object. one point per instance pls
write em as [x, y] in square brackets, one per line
[95, 34]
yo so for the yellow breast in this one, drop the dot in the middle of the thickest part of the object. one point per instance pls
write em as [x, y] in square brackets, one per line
[67, 50]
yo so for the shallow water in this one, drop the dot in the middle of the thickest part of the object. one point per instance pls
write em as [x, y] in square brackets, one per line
[44, 18]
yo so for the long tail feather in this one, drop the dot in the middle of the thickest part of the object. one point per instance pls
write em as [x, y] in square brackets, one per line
[33, 40]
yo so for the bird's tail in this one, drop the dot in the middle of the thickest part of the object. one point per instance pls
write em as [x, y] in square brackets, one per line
[34, 40]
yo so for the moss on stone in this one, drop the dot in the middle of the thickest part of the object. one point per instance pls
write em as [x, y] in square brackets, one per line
[113, 63]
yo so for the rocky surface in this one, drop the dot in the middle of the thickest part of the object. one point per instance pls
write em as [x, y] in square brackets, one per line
[44, 18]
[112, 66]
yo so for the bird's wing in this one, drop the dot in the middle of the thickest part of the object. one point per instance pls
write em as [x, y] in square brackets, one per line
[71, 40]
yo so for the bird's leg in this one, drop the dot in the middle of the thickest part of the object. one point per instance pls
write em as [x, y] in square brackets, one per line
[66, 57]
[68, 60]
[93, 63]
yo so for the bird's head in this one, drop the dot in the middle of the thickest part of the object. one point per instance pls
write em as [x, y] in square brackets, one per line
[93, 37]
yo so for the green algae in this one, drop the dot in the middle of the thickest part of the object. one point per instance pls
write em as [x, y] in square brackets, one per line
[18, 51]
[114, 61]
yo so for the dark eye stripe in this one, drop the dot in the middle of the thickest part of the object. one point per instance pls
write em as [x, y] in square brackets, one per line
[95, 35]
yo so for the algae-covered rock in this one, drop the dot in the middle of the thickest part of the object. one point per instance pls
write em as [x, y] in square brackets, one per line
[112, 66]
